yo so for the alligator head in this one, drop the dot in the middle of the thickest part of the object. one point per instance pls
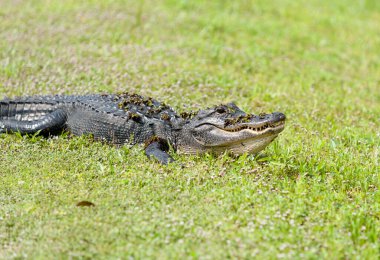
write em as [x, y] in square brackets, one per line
[226, 128]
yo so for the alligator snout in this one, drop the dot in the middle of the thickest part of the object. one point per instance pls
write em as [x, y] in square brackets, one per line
[278, 116]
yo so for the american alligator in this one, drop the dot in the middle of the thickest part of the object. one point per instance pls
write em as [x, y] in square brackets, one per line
[131, 118]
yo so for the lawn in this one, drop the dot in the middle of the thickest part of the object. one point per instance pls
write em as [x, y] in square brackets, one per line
[313, 193]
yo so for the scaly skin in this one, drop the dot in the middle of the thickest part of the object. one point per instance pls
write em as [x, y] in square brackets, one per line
[131, 118]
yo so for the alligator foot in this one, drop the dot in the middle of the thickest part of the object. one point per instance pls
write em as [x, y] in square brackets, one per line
[158, 150]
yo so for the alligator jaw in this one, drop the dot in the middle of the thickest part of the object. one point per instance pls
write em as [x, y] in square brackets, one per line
[242, 139]
[259, 140]
[250, 146]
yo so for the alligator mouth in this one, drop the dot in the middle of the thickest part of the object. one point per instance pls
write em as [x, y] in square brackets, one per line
[261, 128]
[240, 137]
[217, 136]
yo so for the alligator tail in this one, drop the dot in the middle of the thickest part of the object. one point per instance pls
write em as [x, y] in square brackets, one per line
[30, 116]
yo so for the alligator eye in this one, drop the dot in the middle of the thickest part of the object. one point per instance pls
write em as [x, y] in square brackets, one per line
[220, 110]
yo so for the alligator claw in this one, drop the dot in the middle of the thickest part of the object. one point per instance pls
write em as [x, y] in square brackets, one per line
[158, 151]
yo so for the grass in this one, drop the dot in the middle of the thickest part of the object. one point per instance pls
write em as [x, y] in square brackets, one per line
[313, 193]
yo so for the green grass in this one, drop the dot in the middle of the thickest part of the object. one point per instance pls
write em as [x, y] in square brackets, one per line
[313, 193]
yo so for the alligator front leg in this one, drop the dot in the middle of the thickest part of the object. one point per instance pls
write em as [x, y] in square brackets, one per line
[158, 148]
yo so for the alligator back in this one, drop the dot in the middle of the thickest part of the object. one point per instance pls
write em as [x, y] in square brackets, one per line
[123, 118]
[118, 119]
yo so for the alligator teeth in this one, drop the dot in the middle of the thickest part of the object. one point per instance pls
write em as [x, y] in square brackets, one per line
[256, 129]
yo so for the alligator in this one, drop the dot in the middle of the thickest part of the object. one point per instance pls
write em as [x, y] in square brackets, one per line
[129, 118]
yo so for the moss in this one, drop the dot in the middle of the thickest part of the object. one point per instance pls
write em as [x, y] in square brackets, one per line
[237, 120]
[165, 116]
[135, 117]
[145, 105]
[188, 115]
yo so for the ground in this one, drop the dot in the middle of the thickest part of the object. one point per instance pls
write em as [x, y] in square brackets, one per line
[313, 193]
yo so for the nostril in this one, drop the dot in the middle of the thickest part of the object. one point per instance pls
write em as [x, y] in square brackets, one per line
[282, 116]
[279, 116]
